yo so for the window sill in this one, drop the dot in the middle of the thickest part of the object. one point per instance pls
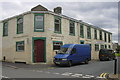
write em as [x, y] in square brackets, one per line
[72, 34]
[38, 30]
[19, 51]
[58, 32]
[20, 33]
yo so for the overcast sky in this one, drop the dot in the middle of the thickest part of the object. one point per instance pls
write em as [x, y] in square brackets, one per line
[100, 14]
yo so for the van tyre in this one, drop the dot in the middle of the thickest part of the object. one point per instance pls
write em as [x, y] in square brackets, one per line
[109, 59]
[86, 61]
[69, 63]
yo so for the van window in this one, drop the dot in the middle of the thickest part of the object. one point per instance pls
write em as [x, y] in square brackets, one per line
[63, 50]
[110, 51]
[73, 51]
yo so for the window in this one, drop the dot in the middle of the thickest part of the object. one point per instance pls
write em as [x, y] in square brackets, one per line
[20, 46]
[57, 22]
[100, 35]
[109, 40]
[57, 45]
[81, 42]
[39, 23]
[89, 32]
[105, 46]
[105, 37]
[102, 46]
[81, 31]
[96, 47]
[72, 28]
[109, 46]
[73, 51]
[95, 34]
[5, 29]
[19, 25]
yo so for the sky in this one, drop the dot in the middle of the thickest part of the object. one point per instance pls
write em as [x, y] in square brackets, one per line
[100, 14]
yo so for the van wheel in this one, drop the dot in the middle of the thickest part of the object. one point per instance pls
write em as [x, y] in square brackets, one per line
[101, 59]
[109, 59]
[69, 63]
[86, 61]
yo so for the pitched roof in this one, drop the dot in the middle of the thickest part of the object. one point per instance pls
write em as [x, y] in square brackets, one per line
[39, 8]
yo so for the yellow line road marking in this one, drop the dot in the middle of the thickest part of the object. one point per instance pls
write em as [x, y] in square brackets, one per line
[102, 75]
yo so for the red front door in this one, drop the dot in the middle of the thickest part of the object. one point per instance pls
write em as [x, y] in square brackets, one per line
[39, 50]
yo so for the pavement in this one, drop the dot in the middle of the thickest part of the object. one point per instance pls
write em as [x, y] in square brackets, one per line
[28, 66]
[116, 76]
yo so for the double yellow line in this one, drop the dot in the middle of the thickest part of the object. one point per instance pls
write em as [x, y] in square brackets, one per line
[103, 75]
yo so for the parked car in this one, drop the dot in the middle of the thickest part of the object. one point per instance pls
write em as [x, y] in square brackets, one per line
[106, 54]
[73, 53]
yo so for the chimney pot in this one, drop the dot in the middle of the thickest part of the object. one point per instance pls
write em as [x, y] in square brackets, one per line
[58, 10]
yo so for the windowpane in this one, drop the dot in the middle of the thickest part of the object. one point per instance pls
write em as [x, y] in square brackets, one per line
[100, 35]
[39, 22]
[109, 38]
[102, 46]
[57, 45]
[106, 46]
[109, 46]
[95, 34]
[89, 32]
[57, 24]
[57, 27]
[96, 47]
[20, 46]
[105, 37]
[20, 25]
[72, 28]
[5, 29]
[81, 31]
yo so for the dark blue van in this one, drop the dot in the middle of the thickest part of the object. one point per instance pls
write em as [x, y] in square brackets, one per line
[73, 53]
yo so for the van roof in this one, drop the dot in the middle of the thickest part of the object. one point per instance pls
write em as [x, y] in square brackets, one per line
[67, 45]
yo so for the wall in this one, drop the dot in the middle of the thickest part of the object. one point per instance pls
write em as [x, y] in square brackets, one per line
[9, 42]
[1, 41]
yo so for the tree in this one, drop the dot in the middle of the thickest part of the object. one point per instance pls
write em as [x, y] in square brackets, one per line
[118, 49]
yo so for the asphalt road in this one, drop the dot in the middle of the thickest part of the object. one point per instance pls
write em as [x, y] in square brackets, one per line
[91, 70]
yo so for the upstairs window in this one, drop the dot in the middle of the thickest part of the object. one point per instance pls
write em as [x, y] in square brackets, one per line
[95, 34]
[57, 45]
[19, 25]
[5, 29]
[20, 46]
[109, 40]
[72, 28]
[105, 37]
[82, 31]
[100, 35]
[89, 32]
[57, 21]
[39, 23]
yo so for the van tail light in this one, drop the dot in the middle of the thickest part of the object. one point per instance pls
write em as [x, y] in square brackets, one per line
[102, 55]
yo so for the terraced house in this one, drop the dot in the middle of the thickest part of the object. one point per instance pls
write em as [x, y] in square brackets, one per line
[36, 35]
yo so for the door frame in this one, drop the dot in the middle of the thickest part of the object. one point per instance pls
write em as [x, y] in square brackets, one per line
[36, 38]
